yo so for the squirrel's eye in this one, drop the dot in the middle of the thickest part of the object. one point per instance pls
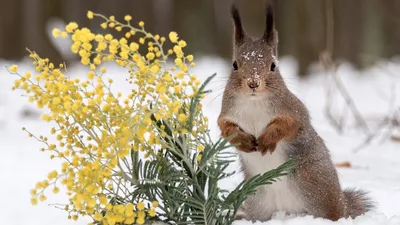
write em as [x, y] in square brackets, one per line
[235, 66]
[272, 67]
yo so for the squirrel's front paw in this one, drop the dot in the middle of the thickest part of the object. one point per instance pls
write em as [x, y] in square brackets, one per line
[280, 128]
[267, 142]
[265, 145]
[246, 142]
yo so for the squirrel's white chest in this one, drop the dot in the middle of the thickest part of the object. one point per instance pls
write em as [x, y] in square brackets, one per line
[252, 115]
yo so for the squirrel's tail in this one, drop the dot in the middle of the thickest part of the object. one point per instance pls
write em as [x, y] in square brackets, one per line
[357, 202]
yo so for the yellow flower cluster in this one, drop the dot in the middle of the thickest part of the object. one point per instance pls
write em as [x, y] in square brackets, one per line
[97, 130]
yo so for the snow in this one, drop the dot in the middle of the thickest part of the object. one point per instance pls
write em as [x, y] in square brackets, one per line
[368, 219]
[374, 168]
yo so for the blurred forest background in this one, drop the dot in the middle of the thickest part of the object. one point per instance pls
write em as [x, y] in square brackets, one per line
[362, 30]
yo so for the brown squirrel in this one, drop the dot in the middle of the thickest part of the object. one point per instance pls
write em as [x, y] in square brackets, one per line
[272, 125]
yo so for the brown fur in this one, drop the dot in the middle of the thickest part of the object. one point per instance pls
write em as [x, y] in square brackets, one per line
[246, 142]
[256, 75]
[280, 128]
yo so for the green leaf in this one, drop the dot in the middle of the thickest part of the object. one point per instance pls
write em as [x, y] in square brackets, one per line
[196, 100]
[247, 188]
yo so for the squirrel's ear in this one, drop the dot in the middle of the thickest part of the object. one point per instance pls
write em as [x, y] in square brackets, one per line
[270, 34]
[239, 33]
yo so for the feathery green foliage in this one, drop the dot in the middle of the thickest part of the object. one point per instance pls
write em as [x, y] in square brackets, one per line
[188, 187]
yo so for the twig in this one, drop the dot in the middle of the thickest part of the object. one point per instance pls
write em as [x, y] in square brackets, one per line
[390, 123]
[330, 67]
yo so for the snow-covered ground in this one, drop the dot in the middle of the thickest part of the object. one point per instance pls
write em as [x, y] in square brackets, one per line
[374, 168]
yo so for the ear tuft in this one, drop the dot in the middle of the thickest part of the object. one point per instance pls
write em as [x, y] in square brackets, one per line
[239, 33]
[270, 33]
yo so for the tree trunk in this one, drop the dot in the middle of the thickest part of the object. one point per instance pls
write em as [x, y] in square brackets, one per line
[12, 30]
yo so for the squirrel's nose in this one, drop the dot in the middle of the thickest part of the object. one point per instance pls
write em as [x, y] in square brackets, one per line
[253, 83]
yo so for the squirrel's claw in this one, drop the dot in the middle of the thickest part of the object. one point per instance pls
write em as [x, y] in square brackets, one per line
[267, 147]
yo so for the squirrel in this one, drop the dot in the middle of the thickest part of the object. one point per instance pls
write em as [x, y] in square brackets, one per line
[272, 125]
